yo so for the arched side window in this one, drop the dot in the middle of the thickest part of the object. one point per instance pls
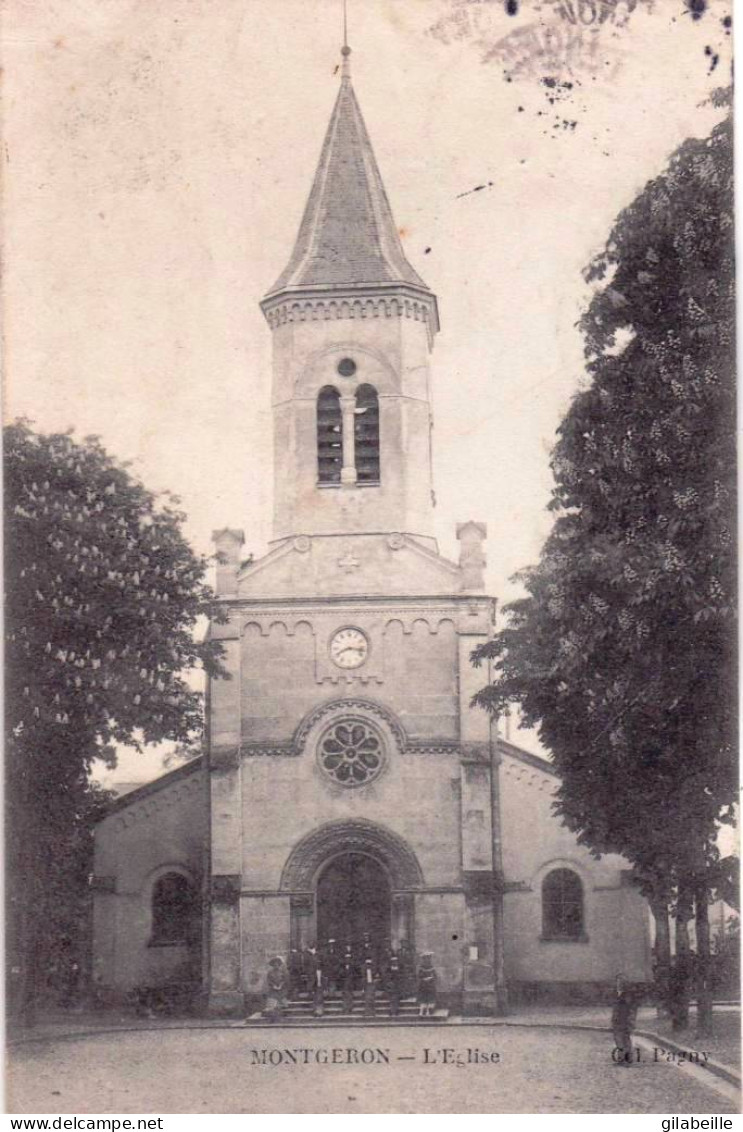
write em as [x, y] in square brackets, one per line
[562, 905]
[366, 434]
[175, 910]
[329, 436]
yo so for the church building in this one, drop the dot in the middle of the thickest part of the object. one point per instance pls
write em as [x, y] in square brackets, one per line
[348, 785]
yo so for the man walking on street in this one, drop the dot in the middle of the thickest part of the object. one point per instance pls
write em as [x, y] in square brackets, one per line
[622, 1022]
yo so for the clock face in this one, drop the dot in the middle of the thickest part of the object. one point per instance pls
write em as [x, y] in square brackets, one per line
[349, 648]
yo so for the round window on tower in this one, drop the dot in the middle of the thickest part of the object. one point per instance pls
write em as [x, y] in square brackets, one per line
[346, 367]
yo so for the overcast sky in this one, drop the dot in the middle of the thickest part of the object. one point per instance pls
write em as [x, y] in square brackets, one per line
[158, 160]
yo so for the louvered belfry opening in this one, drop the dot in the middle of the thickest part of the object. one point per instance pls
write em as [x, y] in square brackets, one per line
[366, 434]
[329, 436]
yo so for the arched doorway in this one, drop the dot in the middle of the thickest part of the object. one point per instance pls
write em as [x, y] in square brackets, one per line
[306, 877]
[353, 900]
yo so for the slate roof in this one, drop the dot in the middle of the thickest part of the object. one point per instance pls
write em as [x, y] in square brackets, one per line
[347, 235]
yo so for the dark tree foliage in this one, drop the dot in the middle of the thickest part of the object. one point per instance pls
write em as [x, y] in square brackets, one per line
[622, 652]
[62, 975]
[102, 598]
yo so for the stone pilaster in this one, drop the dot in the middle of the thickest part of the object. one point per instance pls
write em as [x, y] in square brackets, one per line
[225, 801]
[225, 993]
[403, 918]
[478, 982]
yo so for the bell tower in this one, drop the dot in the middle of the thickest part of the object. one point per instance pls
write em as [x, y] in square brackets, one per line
[353, 326]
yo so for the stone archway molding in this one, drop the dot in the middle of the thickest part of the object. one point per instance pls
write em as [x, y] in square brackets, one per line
[350, 706]
[154, 875]
[354, 835]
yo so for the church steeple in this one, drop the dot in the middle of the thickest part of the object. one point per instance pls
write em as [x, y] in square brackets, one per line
[353, 326]
[348, 237]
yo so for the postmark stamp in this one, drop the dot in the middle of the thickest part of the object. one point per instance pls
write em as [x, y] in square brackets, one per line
[562, 39]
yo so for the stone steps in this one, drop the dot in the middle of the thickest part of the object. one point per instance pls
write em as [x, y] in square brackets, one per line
[301, 1008]
[306, 1009]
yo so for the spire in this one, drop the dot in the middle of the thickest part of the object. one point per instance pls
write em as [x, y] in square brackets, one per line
[348, 235]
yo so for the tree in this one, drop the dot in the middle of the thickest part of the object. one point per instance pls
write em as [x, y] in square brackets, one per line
[65, 972]
[622, 651]
[102, 597]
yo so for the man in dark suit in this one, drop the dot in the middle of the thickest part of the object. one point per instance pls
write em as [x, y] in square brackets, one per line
[623, 1016]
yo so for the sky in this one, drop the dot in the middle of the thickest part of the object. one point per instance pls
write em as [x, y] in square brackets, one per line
[157, 162]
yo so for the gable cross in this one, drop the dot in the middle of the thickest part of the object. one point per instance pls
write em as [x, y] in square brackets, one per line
[348, 562]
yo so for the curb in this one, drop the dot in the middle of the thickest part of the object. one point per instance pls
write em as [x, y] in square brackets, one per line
[325, 1024]
[713, 1067]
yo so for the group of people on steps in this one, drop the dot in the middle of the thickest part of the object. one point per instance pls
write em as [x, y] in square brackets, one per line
[329, 969]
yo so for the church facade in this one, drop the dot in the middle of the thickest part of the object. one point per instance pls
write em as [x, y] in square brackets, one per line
[348, 785]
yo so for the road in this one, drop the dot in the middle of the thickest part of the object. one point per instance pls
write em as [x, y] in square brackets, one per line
[488, 1069]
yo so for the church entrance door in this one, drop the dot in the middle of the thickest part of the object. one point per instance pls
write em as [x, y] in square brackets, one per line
[353, 899]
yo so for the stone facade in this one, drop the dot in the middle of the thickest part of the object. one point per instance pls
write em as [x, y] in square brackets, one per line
[157, 830]
[345, 735]
[616, 925]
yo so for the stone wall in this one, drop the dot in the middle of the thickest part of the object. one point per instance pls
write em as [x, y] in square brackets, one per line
[158, 829]
[616, 917]
[411, 670]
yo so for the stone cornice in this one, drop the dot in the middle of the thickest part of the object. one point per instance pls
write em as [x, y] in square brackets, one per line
[431, 747]
[317, 305]
[150, 802]
[268, 750]
[522, 771]
[527, 757]
[288, 751]
[142, 793]
[357, 603]
[228, 759]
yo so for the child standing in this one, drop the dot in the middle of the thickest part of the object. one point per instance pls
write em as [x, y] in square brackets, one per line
[426, 986]
[277, 985]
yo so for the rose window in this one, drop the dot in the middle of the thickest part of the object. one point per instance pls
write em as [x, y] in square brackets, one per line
[351, 752]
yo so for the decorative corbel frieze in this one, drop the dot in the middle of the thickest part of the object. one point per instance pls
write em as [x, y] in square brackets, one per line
[266, 750]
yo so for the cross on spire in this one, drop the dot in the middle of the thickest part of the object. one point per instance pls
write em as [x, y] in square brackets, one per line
[345, 49]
